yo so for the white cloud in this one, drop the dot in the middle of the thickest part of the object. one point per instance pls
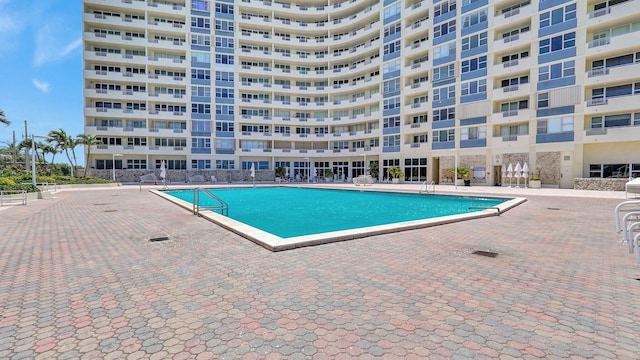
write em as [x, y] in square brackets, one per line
[51, 44]
[9, 27]
[77, 43]
[43, 86]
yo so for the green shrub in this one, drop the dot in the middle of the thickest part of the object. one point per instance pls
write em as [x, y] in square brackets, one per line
[7, 184]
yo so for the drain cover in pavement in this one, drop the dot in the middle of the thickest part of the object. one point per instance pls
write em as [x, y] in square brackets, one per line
[159, 238]
[485, 253]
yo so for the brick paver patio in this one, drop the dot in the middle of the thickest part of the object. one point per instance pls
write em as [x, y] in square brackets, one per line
[79, 279]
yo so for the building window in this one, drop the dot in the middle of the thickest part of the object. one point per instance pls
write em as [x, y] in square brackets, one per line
[391, 103]
[555, 125]
[444, 114]
[225, 164]
[225, 126]
[391, 86]
[224, 76]
[474, 18]
[393, 121]
[474, 87]
[614, 170]
[136, 164]
[201, 108]
[202, 40]
[391, 66]
[443, 72]
[224, 93]
[392, 140]
[392, 29]
[444, 29]
[543, 100]
[444, 7]
[557, 43]
[224, 42]
[444, 93]
[474, 64]
[224, 110]
[201, 164]
[201, 125]
[474, 41]
[558, 16]
[392, 10]
[200, 57]
[392, 47]
[444, 136]
[200, 74]
[201, 5]
[200, 91]
[224, 59]
[556, 71]
[223, 8]
[200, 22]
[224, 25]
[444, 50]
[197, 142]
[473, 133]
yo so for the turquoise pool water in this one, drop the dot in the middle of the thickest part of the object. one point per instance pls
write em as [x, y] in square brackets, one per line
[289, 211]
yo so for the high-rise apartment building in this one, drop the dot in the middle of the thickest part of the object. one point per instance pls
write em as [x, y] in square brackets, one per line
[333, 84]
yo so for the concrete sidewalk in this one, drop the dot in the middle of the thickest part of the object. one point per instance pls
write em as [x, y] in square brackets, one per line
[79, 279]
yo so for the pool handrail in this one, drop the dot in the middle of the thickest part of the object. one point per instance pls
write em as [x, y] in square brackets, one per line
[223, 207]
[426, 185]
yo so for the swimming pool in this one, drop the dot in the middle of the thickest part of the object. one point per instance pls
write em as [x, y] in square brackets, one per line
[293, 216]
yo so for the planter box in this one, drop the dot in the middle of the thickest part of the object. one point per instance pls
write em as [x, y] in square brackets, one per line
[535, 184]
[460, 182]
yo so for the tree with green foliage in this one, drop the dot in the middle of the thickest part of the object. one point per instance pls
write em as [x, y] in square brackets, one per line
[62, 142]
[88, 140]
[3, 119]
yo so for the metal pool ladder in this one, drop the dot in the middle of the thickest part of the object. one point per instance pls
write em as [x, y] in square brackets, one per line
[424, 188]
[223, 207]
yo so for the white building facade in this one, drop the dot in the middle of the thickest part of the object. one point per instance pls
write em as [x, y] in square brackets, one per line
[211, 86]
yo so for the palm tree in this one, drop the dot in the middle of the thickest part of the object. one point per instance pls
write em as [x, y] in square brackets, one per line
[3, 119]
[49, 149]
[26, 144]
[72, 145]
[63, 142]
[88, 140]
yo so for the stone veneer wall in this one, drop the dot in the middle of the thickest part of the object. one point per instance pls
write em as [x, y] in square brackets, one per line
[182, 176]
[608, 184]
[549, 165]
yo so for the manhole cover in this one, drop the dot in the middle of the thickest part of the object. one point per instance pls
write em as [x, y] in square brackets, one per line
[553, 208]
[485, 253]
[110, 210]
[159, 238]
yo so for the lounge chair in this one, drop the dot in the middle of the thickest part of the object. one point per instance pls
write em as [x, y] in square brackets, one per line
[632, 187]
[213, 179]
[196, 178]
[148, 178]
[363, 180]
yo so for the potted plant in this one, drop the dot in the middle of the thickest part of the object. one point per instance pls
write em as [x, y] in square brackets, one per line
[280, 173]
[534, 180]
[396, 174]
[328, 175]
[373, 170]
[463, 173]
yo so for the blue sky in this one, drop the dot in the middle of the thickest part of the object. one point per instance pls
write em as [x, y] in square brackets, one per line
[41, 67]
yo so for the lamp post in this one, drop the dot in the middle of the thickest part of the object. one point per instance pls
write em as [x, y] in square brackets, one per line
[113, 165]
